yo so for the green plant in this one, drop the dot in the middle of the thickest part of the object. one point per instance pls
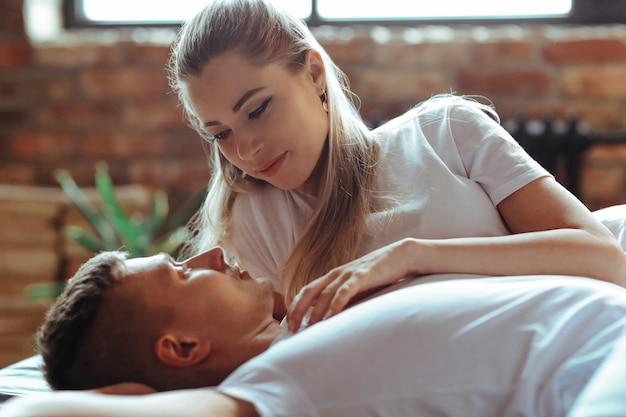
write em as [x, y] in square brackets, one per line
[112, 229]
[139, 234]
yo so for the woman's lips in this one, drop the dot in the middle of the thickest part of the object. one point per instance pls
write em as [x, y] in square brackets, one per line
[273, 166]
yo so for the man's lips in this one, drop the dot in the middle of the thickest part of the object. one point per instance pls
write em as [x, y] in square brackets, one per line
[239, 273]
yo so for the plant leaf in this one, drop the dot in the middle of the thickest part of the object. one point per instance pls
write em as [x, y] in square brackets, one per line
[170, 242]
[127, 231]
[79, 200]
[182, 216]
[90, 242]
[157, 217]
[43, 291]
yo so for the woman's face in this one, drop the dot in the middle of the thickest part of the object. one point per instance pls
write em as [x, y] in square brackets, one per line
[267, 120]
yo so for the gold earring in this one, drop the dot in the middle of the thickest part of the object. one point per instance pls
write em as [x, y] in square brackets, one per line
[324, 100]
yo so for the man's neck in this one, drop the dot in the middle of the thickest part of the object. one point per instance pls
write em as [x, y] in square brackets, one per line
[228, 358]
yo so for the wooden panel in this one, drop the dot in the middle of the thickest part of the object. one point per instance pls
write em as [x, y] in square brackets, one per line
[32, 245]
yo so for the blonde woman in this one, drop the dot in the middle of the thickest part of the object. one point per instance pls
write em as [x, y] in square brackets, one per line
[303, 193]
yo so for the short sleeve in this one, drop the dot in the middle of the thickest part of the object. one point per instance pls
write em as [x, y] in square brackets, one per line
[490, 155]
[272, 393]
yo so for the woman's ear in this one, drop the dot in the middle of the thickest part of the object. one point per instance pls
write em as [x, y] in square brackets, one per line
[181, 351]
[315, 68]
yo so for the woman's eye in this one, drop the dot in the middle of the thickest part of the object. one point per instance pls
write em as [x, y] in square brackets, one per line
[259, 110]
[255, 114]
[223, 135]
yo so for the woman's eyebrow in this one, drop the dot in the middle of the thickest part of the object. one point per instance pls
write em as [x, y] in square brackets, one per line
[245, 98]
[237, 105]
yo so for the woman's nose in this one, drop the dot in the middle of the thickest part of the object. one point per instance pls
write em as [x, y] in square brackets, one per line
[248, 147]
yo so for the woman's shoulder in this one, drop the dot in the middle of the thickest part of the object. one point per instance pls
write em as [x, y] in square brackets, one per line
[441, 108]
[429, 117]
[452, 107]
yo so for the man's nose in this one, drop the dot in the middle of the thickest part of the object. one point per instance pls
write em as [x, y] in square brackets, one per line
[212, 258]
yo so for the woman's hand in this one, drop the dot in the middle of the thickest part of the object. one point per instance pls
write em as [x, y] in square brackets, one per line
[331, 293]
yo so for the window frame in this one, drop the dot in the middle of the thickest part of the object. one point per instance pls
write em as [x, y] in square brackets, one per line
[584, 12]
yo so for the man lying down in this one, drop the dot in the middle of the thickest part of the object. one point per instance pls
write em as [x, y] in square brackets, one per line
[507, 346]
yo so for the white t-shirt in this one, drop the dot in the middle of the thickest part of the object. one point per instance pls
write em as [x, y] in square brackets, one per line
[446, 162]
[493, 347]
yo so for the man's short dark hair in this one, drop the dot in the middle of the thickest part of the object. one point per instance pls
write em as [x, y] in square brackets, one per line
[95, 336]
[68, 322]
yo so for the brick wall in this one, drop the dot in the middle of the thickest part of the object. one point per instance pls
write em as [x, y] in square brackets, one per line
[34, 251]
[70, 104]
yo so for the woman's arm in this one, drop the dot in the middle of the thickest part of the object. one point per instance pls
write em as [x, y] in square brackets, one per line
[552, 234]
[188, 403]
[555, 230]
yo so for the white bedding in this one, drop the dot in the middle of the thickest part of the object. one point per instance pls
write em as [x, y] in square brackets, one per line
[614, 218]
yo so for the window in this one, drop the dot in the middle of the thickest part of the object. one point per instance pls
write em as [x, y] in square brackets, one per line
[441, 9]
[115, 12]
[81, 13]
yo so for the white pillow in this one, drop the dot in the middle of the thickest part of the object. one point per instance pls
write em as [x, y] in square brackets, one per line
[614, 218]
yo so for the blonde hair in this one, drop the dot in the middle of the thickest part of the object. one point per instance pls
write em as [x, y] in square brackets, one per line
[264, 34]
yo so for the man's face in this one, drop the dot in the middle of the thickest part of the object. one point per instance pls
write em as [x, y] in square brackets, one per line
[207, 297]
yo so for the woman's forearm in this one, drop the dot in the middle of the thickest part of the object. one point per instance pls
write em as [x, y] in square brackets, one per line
[558, 252]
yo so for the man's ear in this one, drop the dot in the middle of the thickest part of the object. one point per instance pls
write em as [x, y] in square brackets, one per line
[315, 67]
[181, 351]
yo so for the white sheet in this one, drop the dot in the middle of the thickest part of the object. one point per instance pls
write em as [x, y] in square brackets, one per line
[614, 218]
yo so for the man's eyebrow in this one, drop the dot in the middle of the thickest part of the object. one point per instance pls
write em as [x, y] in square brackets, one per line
[169, 265]
[239, 103]
[169, 258]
